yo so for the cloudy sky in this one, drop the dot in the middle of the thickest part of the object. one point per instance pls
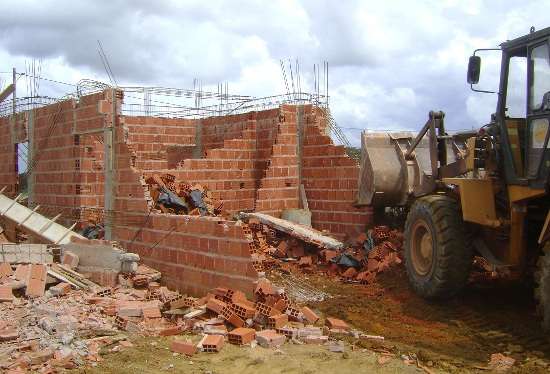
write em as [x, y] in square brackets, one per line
[390, 61]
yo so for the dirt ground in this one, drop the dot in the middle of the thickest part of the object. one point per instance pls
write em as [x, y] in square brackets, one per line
[151, 355]
[458, 335]
[455, 336]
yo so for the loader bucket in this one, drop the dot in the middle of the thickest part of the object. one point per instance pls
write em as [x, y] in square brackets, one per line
[386, 177]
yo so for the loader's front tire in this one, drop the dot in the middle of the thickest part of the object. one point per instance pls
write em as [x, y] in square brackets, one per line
[542, 290]
[438, 253]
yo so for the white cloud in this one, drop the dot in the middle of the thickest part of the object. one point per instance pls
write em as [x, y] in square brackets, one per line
[390, 62]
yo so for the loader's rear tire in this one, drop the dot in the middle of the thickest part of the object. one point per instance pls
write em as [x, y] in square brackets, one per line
[542, 290]
[438, 252]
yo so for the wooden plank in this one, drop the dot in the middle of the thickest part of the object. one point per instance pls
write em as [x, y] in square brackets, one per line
[7, 92]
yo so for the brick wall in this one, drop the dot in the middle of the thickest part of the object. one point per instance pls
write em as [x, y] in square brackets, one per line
[279, 186]
[194, 254]
[250, 161]
[151, 137]
[233, 170]
[330, 179]
[8, 155]
[68, 168]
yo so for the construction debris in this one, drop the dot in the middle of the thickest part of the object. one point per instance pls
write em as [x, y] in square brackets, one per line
[500, 362]
[359, 262]
[53, 317]
[304, 233]
[174, 197]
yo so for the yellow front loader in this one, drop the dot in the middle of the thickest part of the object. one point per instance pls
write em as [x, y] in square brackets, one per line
[479, 193]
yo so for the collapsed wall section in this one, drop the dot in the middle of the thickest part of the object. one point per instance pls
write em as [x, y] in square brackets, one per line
[233, 168]
[194, 253]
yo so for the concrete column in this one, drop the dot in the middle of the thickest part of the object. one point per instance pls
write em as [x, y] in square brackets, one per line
[30, 156]
[299, 148]
[109, 169]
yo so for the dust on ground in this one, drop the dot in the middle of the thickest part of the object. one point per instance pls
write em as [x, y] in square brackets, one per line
[151, 355]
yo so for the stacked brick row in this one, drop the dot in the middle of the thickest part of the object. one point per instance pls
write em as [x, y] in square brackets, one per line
[155, 140]
[194, 254]
[8, 154]
[330, 179]
[233, 170]
[279, 188]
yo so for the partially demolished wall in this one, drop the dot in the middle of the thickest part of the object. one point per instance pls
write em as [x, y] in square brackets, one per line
[253, 162]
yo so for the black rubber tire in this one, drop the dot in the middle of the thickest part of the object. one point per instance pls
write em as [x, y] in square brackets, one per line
[452, 250]
[542, 290]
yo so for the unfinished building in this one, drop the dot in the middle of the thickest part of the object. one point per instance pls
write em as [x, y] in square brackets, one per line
[89, 158]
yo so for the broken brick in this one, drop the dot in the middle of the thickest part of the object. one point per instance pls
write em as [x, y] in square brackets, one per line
[70, 259]
[183, 347]
[60, 289]
[215, 305]
[278, 321]
[176, 330]
[235, 320]
[6, 293]
[337, 324]
[309, 315]
[36, 283]
[243, 310]
[241, 336]
[151, 311]
[212, 343]
[270, 338]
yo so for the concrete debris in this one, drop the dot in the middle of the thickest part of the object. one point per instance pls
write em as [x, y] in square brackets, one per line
[307, 234]
[337, 346]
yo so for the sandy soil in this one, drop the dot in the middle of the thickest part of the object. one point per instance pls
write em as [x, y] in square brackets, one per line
[454, 336]
[151, 355]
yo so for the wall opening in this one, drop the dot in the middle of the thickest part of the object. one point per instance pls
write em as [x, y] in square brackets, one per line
[22, 165]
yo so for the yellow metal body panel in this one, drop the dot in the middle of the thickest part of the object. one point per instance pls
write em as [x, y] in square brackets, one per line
[477, 198]
[470, 146]
[519, 193]
[514, 126]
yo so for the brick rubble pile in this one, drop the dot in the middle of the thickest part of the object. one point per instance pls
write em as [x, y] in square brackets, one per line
[47, 325]
[177, 197]
[369, 254]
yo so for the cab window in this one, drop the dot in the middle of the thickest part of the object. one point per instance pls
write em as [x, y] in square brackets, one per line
[540, 65]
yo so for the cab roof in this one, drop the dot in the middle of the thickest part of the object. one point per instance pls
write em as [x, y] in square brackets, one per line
[526, 39]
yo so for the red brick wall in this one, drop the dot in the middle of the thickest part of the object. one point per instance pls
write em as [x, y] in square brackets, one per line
[233, 171]
[68, 171]
[194, 254]
[330, 179]
[152, 136]
[8, 155]
[279, 186]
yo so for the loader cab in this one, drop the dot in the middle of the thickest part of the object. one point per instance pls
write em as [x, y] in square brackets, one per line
[523, 108]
